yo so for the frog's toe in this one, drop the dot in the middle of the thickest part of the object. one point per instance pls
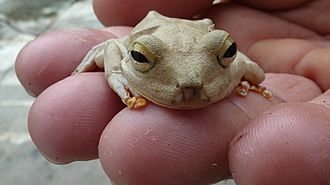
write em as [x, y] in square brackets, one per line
[76, 71]
[135, 102]
[244, 87]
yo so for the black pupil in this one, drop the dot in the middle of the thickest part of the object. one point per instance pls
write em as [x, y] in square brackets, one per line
[231, 51]
[139, 57]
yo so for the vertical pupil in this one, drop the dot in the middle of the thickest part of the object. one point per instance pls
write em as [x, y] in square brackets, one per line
[231, 51]
[139, 57]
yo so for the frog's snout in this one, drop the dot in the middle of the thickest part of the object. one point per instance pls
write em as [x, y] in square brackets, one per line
[190, 91]
[190, 95]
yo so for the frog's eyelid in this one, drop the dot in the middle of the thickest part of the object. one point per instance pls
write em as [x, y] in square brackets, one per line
[138, 33]
[152, 43]
[213, 39]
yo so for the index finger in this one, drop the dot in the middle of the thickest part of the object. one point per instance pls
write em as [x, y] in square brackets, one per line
[54, 56]
[115, 12]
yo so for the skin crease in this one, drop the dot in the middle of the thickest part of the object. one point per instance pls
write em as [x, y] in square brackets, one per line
[273, 5]
[255, 140]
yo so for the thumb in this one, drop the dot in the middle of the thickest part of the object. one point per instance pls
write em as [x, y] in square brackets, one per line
[290, 141]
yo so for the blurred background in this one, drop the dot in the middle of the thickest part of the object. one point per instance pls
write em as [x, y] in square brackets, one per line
[20, 162]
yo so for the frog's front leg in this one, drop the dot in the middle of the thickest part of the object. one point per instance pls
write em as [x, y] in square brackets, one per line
[113, 57]
[253, 75]
[93, 59]
[129, 97]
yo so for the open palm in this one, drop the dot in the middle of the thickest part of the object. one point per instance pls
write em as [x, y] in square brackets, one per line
[257, 141]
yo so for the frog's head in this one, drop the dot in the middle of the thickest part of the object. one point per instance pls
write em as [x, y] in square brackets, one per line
[180, 65]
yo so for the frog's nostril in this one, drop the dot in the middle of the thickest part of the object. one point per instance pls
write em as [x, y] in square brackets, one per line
[190, 84]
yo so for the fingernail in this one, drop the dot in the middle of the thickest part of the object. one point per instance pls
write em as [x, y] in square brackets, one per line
[30, 93]
[54, 161]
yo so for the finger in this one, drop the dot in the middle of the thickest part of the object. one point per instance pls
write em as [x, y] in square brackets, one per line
[317, 13]
[267, 44]
[183, 147]
[289, 141]
[53, 56]
[67, 119]
[249, 26]
[114, 12]
[291, 88]
[303, 59]
[273, 4]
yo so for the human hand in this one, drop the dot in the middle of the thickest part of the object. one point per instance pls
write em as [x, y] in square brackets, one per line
[256, 140]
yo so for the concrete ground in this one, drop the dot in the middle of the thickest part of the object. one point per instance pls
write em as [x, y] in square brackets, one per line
[20, 162]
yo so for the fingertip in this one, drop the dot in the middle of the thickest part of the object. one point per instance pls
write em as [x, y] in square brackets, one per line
[287, 142]
[66, 120]
[315, 65]
[161, 146]
[53, 56]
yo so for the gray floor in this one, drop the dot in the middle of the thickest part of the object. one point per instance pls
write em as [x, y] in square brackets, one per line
[20, 162]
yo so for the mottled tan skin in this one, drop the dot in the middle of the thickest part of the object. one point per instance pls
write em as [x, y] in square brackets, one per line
[185, 72]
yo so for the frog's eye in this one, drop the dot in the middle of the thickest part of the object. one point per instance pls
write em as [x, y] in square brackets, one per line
[229, 55]
[143, 59]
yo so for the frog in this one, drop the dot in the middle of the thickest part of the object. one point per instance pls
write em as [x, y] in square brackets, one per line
[175, 63]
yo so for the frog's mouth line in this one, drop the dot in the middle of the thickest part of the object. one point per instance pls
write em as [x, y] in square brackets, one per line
[195, 103]
[187, 106]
